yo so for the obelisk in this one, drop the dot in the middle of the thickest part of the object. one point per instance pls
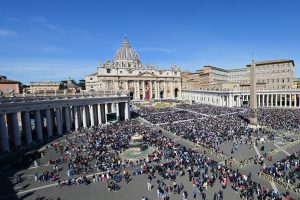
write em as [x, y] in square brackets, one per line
[253, 98]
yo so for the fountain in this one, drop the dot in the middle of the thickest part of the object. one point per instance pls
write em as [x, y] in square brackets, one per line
[138, 149]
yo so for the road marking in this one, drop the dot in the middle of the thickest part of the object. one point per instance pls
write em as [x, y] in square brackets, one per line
[284, 151]
[274, 186]
[256, 150]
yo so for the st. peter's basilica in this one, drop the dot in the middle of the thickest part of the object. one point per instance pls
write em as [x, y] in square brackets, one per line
[126, 74]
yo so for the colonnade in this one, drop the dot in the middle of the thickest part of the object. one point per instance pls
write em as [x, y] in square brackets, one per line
[22, 125]
[241, 98]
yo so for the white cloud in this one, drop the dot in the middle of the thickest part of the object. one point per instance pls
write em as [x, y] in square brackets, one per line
[7, 33]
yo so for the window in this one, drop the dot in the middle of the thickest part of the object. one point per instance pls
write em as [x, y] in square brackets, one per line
[130, 72]
[108, 71]
[91, 78]
[175, 73]
[140, 72]
[121, 72]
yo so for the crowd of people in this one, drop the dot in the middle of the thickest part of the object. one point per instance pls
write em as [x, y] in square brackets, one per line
[286, 170]
[98, 151]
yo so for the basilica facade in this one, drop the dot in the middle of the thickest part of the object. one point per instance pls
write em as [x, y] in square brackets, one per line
[126, 74]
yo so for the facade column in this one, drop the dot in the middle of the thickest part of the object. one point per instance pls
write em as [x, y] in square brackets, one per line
[285, 100]
[134, 90]
[272, 100]
[16, 130]
[58, 121]
[117, 111]
[280, 100]
[158, 90]
[165, 90]
[91, 108]
[276, 100]
[295, 101]
[38, 125]
[263, 100]
[27, 128]
[290, 104]
[99, 114]
[49, 123]
[138, 90]
[259, 100]
[4, 134]
[84, 118]
[67, 119]
[127, 111]
[144, 91]
[105, 112]
[268, 100]
[76, 118]
[150, 96]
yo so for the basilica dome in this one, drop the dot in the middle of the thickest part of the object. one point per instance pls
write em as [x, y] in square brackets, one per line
[126, 53]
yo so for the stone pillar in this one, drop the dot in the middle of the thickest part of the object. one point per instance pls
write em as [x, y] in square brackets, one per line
[99, 114]
[117, 111]
[38, 125]
[76, 117]
[276, 100]
[155, 90]
[280, 100]
[4, 134]
[84, 118]
[67, 119]
[27, 128]
[263, 100]
[253, 97]
[285, 100]
[105, 112]
[91, 108]
[144, 92]
[49, 123]
[58, 121]
[138, 90]
[134, 90]
[290, 104]
[272, 100]
[165, 90]
[150, 92]
[127, 111]
[16, 130]
[295, 101]
[258, 100]
[268, 100]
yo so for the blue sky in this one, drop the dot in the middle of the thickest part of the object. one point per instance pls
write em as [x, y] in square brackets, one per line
[52, 40]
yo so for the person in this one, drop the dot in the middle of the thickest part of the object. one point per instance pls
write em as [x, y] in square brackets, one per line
[149, 185]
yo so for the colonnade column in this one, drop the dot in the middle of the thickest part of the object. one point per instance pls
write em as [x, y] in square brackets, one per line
[267, 100]
[16, 130]
[165, 90]
[99, 114]
[117, 111]
[258, 100]
[127, 110]
[67, 118]
[49, 123]
[276, 100]
[4, 134]
[38, 125]
[295, 101]
[91, 108]
[290, 104]
[27, 128]
[76, 117]
[84, 118]
[105, 112]
[58, 121]
[155, 90]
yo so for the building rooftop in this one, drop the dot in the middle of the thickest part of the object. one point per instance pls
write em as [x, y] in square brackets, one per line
[272, 62]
